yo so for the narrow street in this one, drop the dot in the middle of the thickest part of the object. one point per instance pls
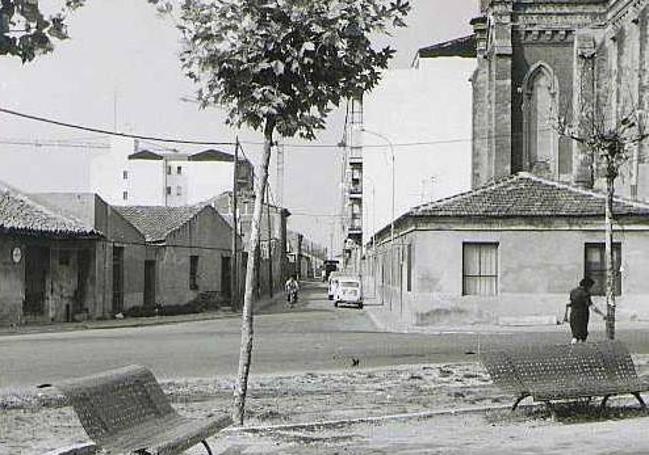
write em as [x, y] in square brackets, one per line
[314, 336]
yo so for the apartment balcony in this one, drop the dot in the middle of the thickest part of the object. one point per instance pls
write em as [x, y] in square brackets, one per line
[356, 192]
[355, 155]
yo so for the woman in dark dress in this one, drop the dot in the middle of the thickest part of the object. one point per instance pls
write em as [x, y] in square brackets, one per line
[579, 307]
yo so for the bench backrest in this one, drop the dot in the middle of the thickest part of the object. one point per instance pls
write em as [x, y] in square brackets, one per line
[619, 362]
[559, 367]
[113, 401]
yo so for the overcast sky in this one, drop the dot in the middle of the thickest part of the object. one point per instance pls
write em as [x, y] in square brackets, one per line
[120, 70]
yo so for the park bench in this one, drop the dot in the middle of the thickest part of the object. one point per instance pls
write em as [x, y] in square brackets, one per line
[549, 373]
[126, 411]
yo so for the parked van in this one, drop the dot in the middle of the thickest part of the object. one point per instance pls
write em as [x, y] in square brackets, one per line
[349, 291]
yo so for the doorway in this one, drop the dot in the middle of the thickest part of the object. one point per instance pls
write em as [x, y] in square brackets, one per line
[149, 284]
[37, 268]
[118, 279]
[83, 273]
[226, 277]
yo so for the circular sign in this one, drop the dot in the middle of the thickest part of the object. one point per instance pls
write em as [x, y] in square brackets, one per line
[16, 254]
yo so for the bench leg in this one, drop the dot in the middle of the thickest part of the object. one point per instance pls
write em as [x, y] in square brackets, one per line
[550, 408]
[518, 400]
[639, 398]
[207, 447]
[602, 405]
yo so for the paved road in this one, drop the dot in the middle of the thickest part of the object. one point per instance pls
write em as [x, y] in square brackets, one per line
[314, 336]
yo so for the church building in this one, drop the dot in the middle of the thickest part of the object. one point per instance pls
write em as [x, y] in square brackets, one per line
[547, 60]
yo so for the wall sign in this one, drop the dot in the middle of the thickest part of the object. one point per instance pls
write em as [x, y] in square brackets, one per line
[16, 254]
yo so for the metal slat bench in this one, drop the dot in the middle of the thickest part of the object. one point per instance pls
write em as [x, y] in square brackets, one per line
[126, 411]
[562, 372]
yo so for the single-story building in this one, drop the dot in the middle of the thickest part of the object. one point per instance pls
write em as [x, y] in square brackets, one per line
[46, 262]
[117, 262]
[188, 253]
[514, 247]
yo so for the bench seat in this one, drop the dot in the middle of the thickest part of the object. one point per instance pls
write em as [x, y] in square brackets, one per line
[562, 372]
[163, 436]
[126, 411]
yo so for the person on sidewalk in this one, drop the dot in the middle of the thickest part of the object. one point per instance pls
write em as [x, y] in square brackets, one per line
[579, 310]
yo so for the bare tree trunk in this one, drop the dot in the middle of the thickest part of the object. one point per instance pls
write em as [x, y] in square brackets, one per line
[610, 266]
[245, 353]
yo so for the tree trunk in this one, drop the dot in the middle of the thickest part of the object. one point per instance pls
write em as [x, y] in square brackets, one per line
[245, 353]
[610, 265]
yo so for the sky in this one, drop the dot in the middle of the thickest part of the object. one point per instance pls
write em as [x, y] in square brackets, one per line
[120, 71]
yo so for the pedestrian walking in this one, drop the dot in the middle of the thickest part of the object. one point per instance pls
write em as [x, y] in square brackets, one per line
[579, 310]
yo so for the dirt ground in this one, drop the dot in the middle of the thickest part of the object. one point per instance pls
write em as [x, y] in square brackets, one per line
[34, 422]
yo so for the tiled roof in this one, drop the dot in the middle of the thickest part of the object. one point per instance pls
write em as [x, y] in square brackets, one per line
[464, 46]
[526, 195]
[20, 214]
[157, 222]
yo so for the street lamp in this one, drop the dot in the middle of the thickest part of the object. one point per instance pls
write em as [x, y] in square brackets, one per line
[373, 230]
[391, 146]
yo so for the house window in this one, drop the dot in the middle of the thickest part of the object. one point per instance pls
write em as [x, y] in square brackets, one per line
[125, 175]
[193, 272]
[595, 266]
[125, 195]
[480, 269]
[179, 170]
[168, 170]
[168, 190]
[179, 191]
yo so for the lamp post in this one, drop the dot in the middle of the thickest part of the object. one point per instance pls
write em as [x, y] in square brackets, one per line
[373, 230]
[391, 146]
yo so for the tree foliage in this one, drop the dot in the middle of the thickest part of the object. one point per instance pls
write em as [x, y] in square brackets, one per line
[281, 65]
[286, 60]
[26, 32]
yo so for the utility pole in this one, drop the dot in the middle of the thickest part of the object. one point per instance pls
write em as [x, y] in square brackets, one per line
[279, 187]
[270, 246]
[234, 291]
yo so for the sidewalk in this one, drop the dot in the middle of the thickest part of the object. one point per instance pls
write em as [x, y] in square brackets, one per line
[443, 408]
[394, 321]
[260, 306]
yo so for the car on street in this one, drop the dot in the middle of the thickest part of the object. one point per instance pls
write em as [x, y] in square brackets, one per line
[349, 291]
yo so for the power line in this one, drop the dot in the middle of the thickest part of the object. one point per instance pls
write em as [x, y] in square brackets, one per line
[108, 132]
[53, 144]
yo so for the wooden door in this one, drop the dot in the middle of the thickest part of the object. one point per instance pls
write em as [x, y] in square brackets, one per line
[37, 266]
[149, 284]
[118, 279]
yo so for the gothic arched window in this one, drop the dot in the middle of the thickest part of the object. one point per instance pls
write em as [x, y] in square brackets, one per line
[541, 142]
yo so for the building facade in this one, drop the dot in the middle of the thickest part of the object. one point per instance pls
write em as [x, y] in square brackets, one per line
[46, 262]
[514, 247]
[128, 174]
[188, 254]
[541, 63]
[117, 262]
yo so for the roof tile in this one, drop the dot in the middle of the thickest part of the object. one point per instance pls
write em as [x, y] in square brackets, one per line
[526, 195]
[20, 214]
[157, 222]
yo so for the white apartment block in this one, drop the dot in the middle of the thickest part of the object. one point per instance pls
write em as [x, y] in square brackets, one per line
[131, 175]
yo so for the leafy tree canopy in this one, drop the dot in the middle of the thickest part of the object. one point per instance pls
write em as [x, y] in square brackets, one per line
[285, 63]
[26, 32]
